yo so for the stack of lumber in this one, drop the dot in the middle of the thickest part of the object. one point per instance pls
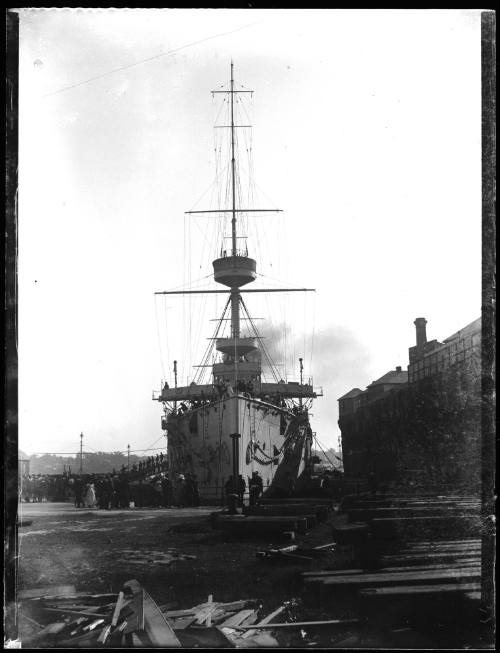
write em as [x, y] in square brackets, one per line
[403, 517]
[297, 500]
[319, 511]
[428, 568]
[275, 516]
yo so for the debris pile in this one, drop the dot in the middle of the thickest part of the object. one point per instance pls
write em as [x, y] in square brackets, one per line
[132, 619]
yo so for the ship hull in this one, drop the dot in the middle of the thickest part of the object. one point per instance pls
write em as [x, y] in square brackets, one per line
[200, 442]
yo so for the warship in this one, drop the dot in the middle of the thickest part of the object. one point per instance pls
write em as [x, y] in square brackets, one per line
[244, 418]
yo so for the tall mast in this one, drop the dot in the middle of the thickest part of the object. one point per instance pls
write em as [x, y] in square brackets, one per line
[233, 167]
[235, 294]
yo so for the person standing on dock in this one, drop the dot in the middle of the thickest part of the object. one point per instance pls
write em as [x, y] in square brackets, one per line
[78, 493]
[256, 488]
[90, 499]
[242, 486]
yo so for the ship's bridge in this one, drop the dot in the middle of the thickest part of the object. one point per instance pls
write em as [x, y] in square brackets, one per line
[228, 373]
[235, 271]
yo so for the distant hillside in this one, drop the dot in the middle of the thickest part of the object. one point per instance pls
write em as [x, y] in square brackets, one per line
[93, 463]
[104, 462]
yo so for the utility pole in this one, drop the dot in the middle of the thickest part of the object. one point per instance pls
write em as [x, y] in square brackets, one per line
[175, 382]
[128, 457]
[81, 452]
[301, 370]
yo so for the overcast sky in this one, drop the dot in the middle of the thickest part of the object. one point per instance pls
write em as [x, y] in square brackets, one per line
[367, 133]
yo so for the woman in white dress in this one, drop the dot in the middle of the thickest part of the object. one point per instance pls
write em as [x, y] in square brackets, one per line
[90, 496]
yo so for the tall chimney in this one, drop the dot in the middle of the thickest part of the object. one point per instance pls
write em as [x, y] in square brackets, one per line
[420, 323]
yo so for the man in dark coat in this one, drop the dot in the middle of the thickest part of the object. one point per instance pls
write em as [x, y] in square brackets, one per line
[242, 486]
[78, 493]
[256, 487]
[167, 491]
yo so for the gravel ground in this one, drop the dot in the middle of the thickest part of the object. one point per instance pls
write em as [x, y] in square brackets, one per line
[177, 556]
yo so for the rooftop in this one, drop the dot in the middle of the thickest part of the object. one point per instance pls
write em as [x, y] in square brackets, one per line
[351, 394]
[394, 376]
[473, 327]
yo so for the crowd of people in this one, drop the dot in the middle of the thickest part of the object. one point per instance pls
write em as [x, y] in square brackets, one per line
[35, 488]
[111, 491]
[146, 484]
[131, 490]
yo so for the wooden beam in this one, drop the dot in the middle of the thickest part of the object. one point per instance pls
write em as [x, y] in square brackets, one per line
[117, 610]
[264, 621]
[299, 624]
[399, 590]
[156, 625]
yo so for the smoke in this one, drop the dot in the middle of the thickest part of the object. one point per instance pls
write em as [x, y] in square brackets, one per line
[339, 363]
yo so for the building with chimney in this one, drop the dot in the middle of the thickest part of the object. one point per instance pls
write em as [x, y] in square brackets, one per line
[419, 426]
[430, 358]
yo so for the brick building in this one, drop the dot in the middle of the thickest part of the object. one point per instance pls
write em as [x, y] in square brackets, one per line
[430, 358]
[421, 426]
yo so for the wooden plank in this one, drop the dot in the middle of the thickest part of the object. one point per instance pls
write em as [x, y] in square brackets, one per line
[332, 572]
[438, 557]
[134, 613]
[55, 590]
[156, 626]
[104, 634]
[436, 548]
[301, 624]
[446, 575]
[384, 570]
[51, 629]
[321, 501]
[118, 608]
[474, 550]
[233, 605]
[237, 619]
[264, 621]
[462, 564]
[77, 606]
[251, 619]
[204, 638]
[182, 622]
[367, 514]
[462, 540]
[209, 616]
[427, 556]
[93, 624]
[79, 612]
[400, 590]
[438, 519]
[204, 614]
